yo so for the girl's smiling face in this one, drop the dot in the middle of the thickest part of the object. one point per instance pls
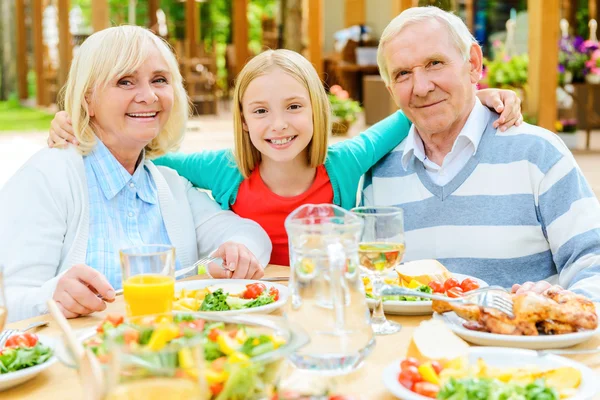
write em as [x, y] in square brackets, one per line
[278, 116]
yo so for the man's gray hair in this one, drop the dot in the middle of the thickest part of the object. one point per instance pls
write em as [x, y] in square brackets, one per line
[459, 33]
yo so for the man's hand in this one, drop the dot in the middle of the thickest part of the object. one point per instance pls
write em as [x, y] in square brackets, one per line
[78, 289]
[61, 131]
[238, 263]
[539, 287]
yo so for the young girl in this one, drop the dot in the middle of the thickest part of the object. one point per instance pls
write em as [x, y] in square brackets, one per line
[281, 160]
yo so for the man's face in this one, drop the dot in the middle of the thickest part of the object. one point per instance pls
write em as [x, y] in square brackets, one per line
[430, 80]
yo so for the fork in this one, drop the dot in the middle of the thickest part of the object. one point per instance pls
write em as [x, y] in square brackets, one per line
[9, 332]
[178, 274]
[491, 297]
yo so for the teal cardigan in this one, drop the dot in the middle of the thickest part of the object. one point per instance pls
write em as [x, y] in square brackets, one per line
[345, 163]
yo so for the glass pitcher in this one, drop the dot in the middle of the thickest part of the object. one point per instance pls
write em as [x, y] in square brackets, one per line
[327, 294]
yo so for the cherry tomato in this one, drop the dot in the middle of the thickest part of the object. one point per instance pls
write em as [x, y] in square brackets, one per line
[197, 325]
[254, 290]
[408, 362]
[437, 367]
[405, 381]
[436, 286]
[114, 319]
[450, 283]
[454, 292]
[469, 284]
[213, 335]
[131, 336]
[412, 373]
[24, 340]
[274, 293]
[232, 334]
[426, 389]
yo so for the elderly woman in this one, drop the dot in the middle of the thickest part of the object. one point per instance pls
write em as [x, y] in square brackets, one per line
[66, 213]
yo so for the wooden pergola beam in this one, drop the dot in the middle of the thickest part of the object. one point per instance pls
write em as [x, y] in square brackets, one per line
[400, 5]
[593, 8]
[470, 14]
[356, 12]
[315, 34]
[100, 19]
[64, 41]
[21, 50]
[152, 20]
[191, 28]
[38, 53]
[240, 34]
[543, 54]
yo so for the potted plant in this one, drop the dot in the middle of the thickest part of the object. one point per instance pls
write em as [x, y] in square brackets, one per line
[344, 110]
[593, 67]
[566, 129]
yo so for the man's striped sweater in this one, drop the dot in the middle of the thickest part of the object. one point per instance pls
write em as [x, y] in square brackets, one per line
[520, 210]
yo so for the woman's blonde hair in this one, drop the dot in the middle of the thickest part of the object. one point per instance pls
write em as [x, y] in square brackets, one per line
[247, 156]
[110, 54]
[457, 30]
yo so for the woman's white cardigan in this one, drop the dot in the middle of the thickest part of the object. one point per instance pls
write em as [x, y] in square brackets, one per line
[44, 221]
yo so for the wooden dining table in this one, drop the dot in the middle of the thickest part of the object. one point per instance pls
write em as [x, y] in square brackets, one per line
[60, 382]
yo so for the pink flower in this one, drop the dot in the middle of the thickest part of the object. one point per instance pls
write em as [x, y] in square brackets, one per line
[335, 89]
[497, 43]
[343, 95]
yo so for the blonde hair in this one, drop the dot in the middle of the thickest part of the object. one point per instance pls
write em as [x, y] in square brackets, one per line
[459, 33]
[112, 53]
[246, 155]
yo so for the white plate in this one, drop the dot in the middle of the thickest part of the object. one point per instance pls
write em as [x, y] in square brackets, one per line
[497, 357]
[396, 307]
[15, 378]
[455, 323]
[201, 284]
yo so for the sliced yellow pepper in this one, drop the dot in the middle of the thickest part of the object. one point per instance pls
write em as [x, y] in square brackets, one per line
[162, 335]
[213, 376]
[187, 363]
[428, 373]
[277, 341]
[238, 358]
[241, 336]
[226, 344]
[414, 284]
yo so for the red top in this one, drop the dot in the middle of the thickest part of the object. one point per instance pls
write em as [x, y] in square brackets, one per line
[257, 202]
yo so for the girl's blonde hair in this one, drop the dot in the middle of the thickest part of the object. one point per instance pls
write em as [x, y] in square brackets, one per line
[247, 156]
[110, 54]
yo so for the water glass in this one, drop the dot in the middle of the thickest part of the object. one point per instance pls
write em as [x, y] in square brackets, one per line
[380, 250]
[3, 310]
[148, 279]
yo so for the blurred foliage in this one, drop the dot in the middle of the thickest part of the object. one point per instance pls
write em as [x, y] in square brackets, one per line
[14, 117]
[447, 5]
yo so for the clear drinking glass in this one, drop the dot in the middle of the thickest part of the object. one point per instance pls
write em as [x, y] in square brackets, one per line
[380, 250]
[3, 310]
[148, 279]
[173, 372]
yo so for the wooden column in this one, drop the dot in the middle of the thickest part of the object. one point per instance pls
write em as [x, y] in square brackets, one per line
[65, 49]
[356, 12]
[470, 14]
[152, 20]
[543, 56]
[400, 5]
[100, 19]
[315, 34]
[593, 7]
[21, 50]
[240, 34]
[191, 28]
[38, 52]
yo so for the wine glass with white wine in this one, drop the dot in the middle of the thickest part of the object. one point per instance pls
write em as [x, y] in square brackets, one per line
[3, 310]
[380, 250]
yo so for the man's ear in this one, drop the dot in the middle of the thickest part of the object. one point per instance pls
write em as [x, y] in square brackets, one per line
[476, 63]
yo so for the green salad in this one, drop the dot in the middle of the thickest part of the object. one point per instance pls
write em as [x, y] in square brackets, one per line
[422, 288]
[23, 351]
[493, 389]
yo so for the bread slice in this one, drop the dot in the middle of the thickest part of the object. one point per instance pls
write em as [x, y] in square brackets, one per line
[433, 341]
[423, 271]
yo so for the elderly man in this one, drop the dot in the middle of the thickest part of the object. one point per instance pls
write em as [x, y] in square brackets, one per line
[506, 206]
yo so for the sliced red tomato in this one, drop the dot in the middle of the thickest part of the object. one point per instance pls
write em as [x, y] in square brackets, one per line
[454, 292]
[426, 389]
[254, 290]
[436, 286]
[450, 283]
[437, 367]
[408, 362]
[469, 284]
[232, 334]
[274, 293]
[411, 372]
[216, 388]
[131, 336]
[213, 335]
[24, 340]
[197, 325]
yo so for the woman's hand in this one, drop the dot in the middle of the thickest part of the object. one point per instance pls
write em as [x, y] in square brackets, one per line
[504, 102]
[238, 263]
[79, 289]
[61, 131]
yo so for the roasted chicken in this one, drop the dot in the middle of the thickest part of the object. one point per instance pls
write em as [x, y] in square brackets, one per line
[554, 312]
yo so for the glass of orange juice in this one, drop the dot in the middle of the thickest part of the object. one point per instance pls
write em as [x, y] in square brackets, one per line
[148, 279]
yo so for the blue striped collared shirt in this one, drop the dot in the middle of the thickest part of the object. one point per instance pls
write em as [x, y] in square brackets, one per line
[124, 211]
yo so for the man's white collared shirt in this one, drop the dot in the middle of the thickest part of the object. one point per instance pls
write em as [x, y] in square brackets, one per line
[463, 149]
